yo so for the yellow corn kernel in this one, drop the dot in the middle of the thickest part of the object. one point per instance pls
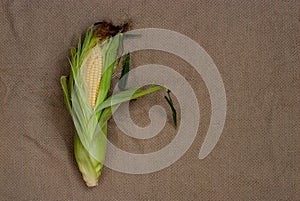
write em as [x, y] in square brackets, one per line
[93, 72]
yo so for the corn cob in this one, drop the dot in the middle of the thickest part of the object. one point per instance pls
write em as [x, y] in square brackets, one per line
[92, 66]
[93, 73]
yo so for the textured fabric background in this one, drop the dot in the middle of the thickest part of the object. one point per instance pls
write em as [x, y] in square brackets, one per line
[256, 47]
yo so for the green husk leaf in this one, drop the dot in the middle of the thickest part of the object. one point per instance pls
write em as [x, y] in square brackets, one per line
[125, 96]
[170, 102]
[124, 74]
[107, 113]
[63, 82]
[130, 36]
[78, 52]
[87, 39]
[88, 129]
[110, 49]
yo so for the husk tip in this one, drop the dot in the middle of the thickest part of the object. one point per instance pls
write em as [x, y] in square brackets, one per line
[90, 182]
